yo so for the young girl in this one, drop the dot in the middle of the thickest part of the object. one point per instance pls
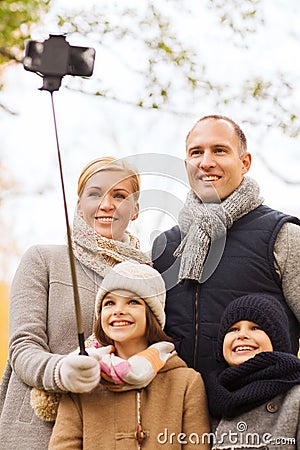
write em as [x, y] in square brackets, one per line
[256, 398]
[147, 398]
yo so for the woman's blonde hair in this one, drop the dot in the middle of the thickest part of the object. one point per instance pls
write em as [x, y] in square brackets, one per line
[113, 164]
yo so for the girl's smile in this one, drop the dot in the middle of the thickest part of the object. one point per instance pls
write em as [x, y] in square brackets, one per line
[123, 319]
[120, 323]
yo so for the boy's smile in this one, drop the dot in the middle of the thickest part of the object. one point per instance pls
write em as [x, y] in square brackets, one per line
[244, 340]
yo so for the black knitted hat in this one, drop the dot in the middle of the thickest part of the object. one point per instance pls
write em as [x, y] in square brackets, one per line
[265, 311]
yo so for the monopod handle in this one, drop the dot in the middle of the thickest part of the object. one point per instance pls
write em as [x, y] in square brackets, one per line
[82, 350]
[70, 246]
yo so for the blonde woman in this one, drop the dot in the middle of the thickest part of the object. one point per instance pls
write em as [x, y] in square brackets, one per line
[42, 314]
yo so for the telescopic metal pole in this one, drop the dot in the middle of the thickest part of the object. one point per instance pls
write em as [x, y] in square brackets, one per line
[70, 246]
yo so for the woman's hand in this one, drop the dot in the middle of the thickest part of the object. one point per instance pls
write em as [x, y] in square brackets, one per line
[78, 373]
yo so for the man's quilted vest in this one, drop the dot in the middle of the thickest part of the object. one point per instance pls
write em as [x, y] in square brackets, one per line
[194, 310]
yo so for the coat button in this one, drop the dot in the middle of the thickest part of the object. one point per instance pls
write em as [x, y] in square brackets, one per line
[272, 407]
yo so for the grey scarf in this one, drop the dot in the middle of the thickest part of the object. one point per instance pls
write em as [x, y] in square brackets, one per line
[204, 226]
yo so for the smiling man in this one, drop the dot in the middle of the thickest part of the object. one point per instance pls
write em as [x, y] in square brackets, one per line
[216, 158]
[228, 243]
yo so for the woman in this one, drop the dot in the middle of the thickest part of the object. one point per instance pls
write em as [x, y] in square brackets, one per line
[255, 400]
[148, 398]
[42, 314]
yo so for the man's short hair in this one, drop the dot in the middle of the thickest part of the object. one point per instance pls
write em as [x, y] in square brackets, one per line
[239, 132]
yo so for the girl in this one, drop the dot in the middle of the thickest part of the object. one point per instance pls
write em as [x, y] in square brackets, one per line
[256, 398]
[147, 396]
[42, 313]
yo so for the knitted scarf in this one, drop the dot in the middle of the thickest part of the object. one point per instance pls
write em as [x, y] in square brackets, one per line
[136, 372]
[239, 389]
[205, 223]
[99, 253]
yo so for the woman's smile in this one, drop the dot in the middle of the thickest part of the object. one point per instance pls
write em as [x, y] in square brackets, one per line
[108, 203]
[105, 219]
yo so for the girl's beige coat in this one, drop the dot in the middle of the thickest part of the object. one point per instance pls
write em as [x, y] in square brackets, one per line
[173, 414]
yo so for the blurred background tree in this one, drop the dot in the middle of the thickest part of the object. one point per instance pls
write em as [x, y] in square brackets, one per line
[16, 19]
[172, 71]
[152, 43]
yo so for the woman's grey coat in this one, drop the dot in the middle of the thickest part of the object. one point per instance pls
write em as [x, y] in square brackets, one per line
[42, 328]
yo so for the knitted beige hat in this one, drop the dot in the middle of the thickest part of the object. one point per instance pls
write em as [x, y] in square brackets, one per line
[142, 280]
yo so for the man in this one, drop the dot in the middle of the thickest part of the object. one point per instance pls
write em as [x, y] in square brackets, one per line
[227, 244]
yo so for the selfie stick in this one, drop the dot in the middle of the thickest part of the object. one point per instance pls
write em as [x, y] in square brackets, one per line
[53, 59]
[70, 247]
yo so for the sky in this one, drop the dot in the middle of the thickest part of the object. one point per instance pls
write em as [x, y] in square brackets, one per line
[92, 126]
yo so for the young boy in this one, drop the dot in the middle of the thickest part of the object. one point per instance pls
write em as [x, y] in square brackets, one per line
[256, 398]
